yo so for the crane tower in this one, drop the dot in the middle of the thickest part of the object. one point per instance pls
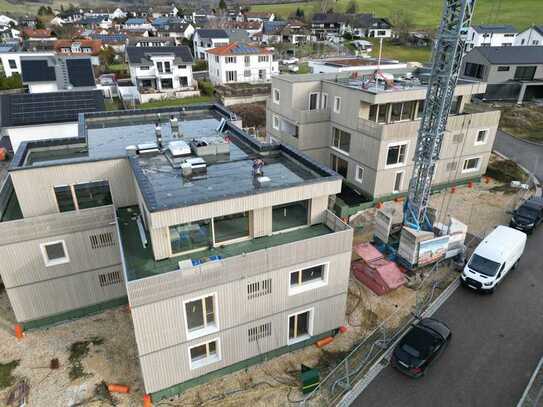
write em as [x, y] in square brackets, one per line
[446, 62]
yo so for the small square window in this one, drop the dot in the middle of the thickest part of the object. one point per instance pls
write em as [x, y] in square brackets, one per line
[471, 165]
[200, 316]
[276, 122]
[54, 253]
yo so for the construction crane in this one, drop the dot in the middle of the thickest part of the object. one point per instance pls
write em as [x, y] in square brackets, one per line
[446, 62]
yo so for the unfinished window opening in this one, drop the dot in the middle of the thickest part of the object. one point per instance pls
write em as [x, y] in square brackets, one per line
[92, 194]
[313, 101]
[102, 240]
[300, 326]
[481, 137]
[64, 197]
[259, 288]
[458, 138]
[339, 165]
[398, 182]
[108, 279]
[259, 332]
[451, 166]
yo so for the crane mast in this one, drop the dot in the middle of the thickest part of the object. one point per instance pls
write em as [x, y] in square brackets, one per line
[446, 62]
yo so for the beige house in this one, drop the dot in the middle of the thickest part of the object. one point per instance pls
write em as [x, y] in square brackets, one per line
[224, 246]
[366, 130]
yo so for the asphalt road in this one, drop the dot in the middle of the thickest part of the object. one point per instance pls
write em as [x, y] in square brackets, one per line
[496, 344]
[528, 154]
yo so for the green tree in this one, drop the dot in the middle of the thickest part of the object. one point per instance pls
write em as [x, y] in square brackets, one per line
[40, 25]
[300, 14]
[107, 56]
[222, 5]
[352, 7]
[12, 82]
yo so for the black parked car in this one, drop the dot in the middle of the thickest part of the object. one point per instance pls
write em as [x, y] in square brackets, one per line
[528, 215]
[420, 346]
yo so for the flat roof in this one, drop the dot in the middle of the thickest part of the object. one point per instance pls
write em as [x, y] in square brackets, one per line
[140, 262]
[228, 172]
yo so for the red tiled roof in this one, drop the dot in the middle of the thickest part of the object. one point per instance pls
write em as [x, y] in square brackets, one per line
[95, 45]
[39, 33]
[239, 49]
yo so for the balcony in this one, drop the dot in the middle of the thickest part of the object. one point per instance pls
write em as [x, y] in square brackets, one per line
[411, 127]
[150, 280]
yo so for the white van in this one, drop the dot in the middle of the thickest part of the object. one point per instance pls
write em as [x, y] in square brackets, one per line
[498, 253]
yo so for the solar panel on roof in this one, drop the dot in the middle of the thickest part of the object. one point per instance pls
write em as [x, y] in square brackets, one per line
[80, 72]
[38, 108]
[37, 71]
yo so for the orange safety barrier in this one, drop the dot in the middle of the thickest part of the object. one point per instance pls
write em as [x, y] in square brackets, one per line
[470, 184]
[453, 190]
[147, 401]
[487, 180]
[19, 333]
[324, 342]
[118, 388]
[3, 154]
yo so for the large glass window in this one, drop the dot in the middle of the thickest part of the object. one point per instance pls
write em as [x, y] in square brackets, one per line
[342, 140]
[396, 112]
[200, 314]
[231, 227]
[307, 276]
[474, 70]
[65, 198]
[93, 194]
[383, 113]
[290, 215]
[313, 101]
[190, 236]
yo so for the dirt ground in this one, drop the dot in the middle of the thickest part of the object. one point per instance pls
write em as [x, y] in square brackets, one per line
[273, 383]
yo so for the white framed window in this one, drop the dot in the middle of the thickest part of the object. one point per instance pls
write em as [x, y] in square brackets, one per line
[313, 100]
[324, 101]
[276, 96]
[396, 154]
[276, 122]
[201, 316]
[230, 60]
[263, 58]
[205, 353]
[54, 253]
[341, 140]
[308, 278]
[337, 104]
[247, 73]
[359, 174]
[300, 326]
[481, 138]
[471, 165]
[216, 58]
[398, 182]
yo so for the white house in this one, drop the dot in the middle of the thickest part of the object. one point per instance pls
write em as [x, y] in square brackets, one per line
[138, 24]
[160, 69]
[11, 61]
[530, 36]
[117, 13]
[259, 16]
[491, 36]
[205, 39]
[238, 63]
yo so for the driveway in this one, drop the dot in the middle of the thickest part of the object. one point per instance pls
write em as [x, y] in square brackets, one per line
[529, 155]
[497, 342]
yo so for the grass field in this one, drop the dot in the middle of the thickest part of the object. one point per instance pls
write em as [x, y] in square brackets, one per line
[426, 14]
[401, 52]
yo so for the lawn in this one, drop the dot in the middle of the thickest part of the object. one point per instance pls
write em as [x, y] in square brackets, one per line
[175, 102]
[426, 14]
[401, 52]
